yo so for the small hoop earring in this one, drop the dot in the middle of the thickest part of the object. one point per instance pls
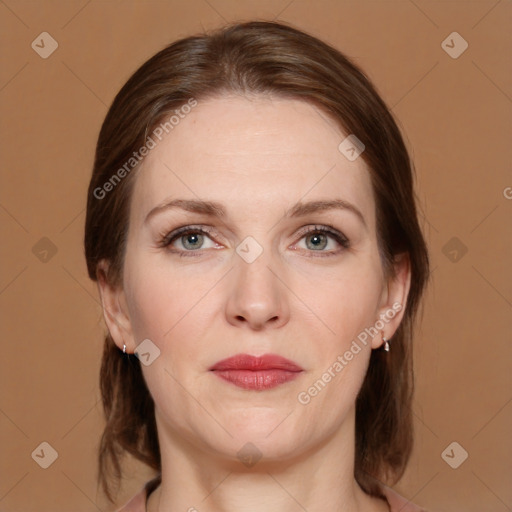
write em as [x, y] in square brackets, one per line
[386, 344]
[124, 348]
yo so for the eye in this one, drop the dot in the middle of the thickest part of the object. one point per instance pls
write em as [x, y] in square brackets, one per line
[323, 239]
[188, 239]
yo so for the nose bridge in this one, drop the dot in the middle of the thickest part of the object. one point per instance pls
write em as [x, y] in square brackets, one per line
[257, 297]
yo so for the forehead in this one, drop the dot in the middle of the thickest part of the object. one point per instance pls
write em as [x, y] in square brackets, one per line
[245, 150]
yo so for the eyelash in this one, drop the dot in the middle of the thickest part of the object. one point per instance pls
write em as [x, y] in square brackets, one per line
[166, 239]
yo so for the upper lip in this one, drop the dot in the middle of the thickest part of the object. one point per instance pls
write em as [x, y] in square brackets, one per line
[254, 363]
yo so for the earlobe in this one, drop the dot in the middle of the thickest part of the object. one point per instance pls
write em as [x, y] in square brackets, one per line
[395, 300]
[114, 309]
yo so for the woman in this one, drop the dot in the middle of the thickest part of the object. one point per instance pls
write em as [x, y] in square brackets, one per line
[252, 229]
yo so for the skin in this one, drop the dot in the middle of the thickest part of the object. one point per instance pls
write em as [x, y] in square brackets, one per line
[256, 156]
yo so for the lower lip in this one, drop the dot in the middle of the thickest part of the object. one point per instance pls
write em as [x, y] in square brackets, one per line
[257, 379]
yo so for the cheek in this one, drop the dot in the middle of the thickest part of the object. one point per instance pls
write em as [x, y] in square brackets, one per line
[346, 301]
[161, 302]
[172, 311]
[347, 305]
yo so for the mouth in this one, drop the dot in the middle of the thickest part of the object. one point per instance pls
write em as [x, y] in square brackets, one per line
[256, 373]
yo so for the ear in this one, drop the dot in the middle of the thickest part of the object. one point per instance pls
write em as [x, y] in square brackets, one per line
[393, 300]
[115, 310]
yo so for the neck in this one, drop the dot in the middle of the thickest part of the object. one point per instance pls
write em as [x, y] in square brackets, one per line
[195, 480]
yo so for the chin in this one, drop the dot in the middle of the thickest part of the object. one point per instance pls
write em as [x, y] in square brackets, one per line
[261, 451]
[268, 436]
[258, 421]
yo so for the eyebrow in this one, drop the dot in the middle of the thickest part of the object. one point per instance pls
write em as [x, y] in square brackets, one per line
[214, 209]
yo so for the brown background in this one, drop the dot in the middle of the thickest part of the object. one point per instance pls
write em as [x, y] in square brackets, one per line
[456, 116]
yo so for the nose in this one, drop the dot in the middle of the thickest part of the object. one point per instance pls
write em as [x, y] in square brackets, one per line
[258, 297]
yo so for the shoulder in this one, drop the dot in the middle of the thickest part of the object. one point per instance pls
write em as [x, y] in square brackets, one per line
[398, 503]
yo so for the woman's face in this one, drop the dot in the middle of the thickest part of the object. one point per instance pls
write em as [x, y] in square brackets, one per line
[274, 273]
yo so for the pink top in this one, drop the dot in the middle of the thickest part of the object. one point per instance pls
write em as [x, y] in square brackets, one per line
[396, 502]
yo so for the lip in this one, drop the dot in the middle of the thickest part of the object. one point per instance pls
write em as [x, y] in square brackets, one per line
[256, 372]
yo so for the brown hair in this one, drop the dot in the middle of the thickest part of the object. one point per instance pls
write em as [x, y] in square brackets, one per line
[259, 58]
